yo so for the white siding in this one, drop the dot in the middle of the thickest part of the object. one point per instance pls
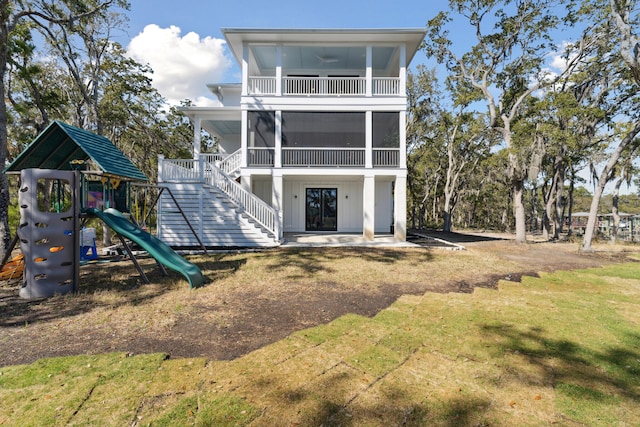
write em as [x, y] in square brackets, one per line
[261, 187]
[349, 202]
[384, 208]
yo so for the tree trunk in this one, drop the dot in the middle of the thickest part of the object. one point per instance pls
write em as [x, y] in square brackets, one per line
[615, 212]
[593, 216]
[546, 225]
[550, 214]
[570, 215]
[448, 202]
[559, 182]
[447, 221]
[5, 233]
[519, 212]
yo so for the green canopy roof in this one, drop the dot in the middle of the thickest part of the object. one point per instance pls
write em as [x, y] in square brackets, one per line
[59, 144]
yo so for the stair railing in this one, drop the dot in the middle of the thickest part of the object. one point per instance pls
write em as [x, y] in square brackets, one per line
[231, 164]
[250, 204]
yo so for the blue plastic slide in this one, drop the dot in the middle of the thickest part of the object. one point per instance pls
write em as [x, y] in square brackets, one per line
[156, 247]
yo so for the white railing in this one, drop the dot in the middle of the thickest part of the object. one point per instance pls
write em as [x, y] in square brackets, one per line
[251, 205]
[231, 164]
[312, 86]
[260, 156]
[325, 85]
[188, 170]
[262, 85]
[353, 157]
[180, 170]
[386, 157]
[212, 157]
[386, 86]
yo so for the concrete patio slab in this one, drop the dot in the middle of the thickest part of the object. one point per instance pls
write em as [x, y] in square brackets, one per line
[341, 239]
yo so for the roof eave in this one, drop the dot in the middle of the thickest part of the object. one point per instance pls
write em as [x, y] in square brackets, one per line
[235, 37]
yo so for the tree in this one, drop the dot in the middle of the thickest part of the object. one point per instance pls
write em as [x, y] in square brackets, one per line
[12, 12]
[505, 69]
[444, 148]
[422, 94]
[465, 143]
[569, 115]
[618, 31]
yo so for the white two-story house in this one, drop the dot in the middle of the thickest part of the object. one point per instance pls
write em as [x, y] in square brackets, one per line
[311, 140]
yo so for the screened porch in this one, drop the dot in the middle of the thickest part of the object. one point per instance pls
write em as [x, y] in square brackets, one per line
[323, 139]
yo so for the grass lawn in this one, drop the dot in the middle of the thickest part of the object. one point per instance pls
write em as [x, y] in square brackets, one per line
[562, 349]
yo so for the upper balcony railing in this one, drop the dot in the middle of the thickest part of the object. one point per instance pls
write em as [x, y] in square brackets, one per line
[324, 86]
[324, 157]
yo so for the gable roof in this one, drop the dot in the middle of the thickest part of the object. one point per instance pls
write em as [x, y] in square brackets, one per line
[60, 143]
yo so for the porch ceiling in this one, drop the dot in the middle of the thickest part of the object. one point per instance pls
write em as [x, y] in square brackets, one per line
[322, 58]
[223, 127]
[413, 37]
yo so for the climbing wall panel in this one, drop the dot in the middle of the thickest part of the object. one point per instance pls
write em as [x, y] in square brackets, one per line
[48, 232]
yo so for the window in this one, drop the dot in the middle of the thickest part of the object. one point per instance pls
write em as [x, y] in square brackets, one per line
[323, 129]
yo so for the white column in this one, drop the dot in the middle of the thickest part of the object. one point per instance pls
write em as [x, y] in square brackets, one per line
[160, 170]
[368, 207]
[368, 139]
[279, 70]
[243, 139]
[403, 69]
[245, 69]
[369, 72]
[197, 130]
[277, 186]
[400, 208]
[403, 139]
[277, 155]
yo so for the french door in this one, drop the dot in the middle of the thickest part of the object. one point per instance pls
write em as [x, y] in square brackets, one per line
[321, 209]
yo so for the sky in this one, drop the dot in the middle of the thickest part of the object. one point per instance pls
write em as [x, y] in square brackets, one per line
[183, 43]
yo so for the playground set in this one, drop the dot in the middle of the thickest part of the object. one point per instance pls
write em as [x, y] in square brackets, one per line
[57, 197]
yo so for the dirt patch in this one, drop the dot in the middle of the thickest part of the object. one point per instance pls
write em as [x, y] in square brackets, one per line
[241, 309]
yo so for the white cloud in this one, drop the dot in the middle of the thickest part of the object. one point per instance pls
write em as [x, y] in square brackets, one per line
[558, 62]
[182, 66]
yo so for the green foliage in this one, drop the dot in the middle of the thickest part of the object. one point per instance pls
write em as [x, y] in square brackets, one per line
[444, 148]
[92, 84]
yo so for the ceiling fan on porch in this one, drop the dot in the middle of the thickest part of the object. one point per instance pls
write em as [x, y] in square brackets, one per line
[325, 59]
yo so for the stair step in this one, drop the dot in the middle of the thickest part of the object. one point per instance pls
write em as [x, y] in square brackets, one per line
[217, 220]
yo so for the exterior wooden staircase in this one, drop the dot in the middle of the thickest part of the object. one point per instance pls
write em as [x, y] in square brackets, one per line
[222, 213]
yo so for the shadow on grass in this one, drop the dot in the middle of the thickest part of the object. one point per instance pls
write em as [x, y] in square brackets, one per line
[335, 401]
[566, 362]
[309, 261]
[118, 278]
